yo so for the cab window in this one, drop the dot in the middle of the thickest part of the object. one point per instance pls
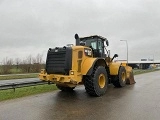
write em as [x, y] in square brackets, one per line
[100, 46]
[94, 45]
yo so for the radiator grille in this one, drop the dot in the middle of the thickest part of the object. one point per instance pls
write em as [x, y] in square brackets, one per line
[59, 61]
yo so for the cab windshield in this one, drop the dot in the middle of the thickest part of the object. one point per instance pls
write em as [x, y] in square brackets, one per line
[91, 43]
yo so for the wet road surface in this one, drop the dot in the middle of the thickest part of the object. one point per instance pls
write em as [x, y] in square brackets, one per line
[133, 102]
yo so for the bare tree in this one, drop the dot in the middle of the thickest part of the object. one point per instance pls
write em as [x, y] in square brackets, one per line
[37, 63]
[7, 65]
[27, 65]
[23, 66]
[0, 67]
[17, 61]
[39, 58]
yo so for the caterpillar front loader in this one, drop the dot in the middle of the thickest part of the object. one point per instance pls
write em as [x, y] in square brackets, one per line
[89, 63]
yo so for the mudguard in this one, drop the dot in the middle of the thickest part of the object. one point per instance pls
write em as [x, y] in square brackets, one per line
[114, 68]
[89, 63]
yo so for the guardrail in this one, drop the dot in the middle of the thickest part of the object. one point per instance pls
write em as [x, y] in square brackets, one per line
[22, 84]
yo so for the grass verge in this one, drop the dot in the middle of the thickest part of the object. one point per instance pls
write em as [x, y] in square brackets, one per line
[139, 71]
[9, 77]
[26, 91]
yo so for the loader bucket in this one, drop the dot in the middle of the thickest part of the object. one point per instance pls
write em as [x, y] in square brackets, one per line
[130, 76]
[130, 80]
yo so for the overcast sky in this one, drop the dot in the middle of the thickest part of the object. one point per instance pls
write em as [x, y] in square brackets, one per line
[29, 27]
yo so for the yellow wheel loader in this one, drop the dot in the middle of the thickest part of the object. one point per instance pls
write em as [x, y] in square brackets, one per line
[89, 63]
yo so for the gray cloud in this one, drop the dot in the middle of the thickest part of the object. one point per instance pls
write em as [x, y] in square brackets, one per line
[32, 26]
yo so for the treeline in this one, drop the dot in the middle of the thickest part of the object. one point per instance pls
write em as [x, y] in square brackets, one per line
[28, 65]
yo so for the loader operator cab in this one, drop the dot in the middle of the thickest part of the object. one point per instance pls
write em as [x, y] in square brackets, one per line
[96, 43]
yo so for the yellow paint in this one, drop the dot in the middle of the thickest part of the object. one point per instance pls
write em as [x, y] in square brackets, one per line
[86, 61]
[114, 68]
[128, 71]
[124, 64]
[57, 78]
[87, 64]
[80, 67]
[102, 80]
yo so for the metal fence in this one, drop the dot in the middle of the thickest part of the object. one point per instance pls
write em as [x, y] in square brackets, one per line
[13, 86]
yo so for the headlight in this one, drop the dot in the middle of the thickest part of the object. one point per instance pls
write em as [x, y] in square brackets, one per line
[72, 72]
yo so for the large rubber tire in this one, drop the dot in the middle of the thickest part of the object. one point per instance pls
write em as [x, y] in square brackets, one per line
[120, 79]
[67, 89]
[96, 84]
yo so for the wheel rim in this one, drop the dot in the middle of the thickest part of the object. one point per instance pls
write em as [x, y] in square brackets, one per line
[101, 81]
[123, 76]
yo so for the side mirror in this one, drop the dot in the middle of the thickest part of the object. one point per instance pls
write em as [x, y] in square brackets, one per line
[107, 43]
[115, 55]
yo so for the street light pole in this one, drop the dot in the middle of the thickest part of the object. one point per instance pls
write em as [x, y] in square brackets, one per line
[153, 58]
[127, 48]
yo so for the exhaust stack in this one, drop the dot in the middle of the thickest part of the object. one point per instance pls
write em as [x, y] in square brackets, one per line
[77, 39]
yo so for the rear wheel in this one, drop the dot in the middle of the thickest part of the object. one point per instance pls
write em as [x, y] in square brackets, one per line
[120, 79]
[96, 84]
[65, 88]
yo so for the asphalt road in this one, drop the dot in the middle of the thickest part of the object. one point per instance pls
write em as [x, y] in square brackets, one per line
[140, 101]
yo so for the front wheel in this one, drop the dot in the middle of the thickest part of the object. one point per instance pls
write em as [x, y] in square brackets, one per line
[96, 84]
[120, 79]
